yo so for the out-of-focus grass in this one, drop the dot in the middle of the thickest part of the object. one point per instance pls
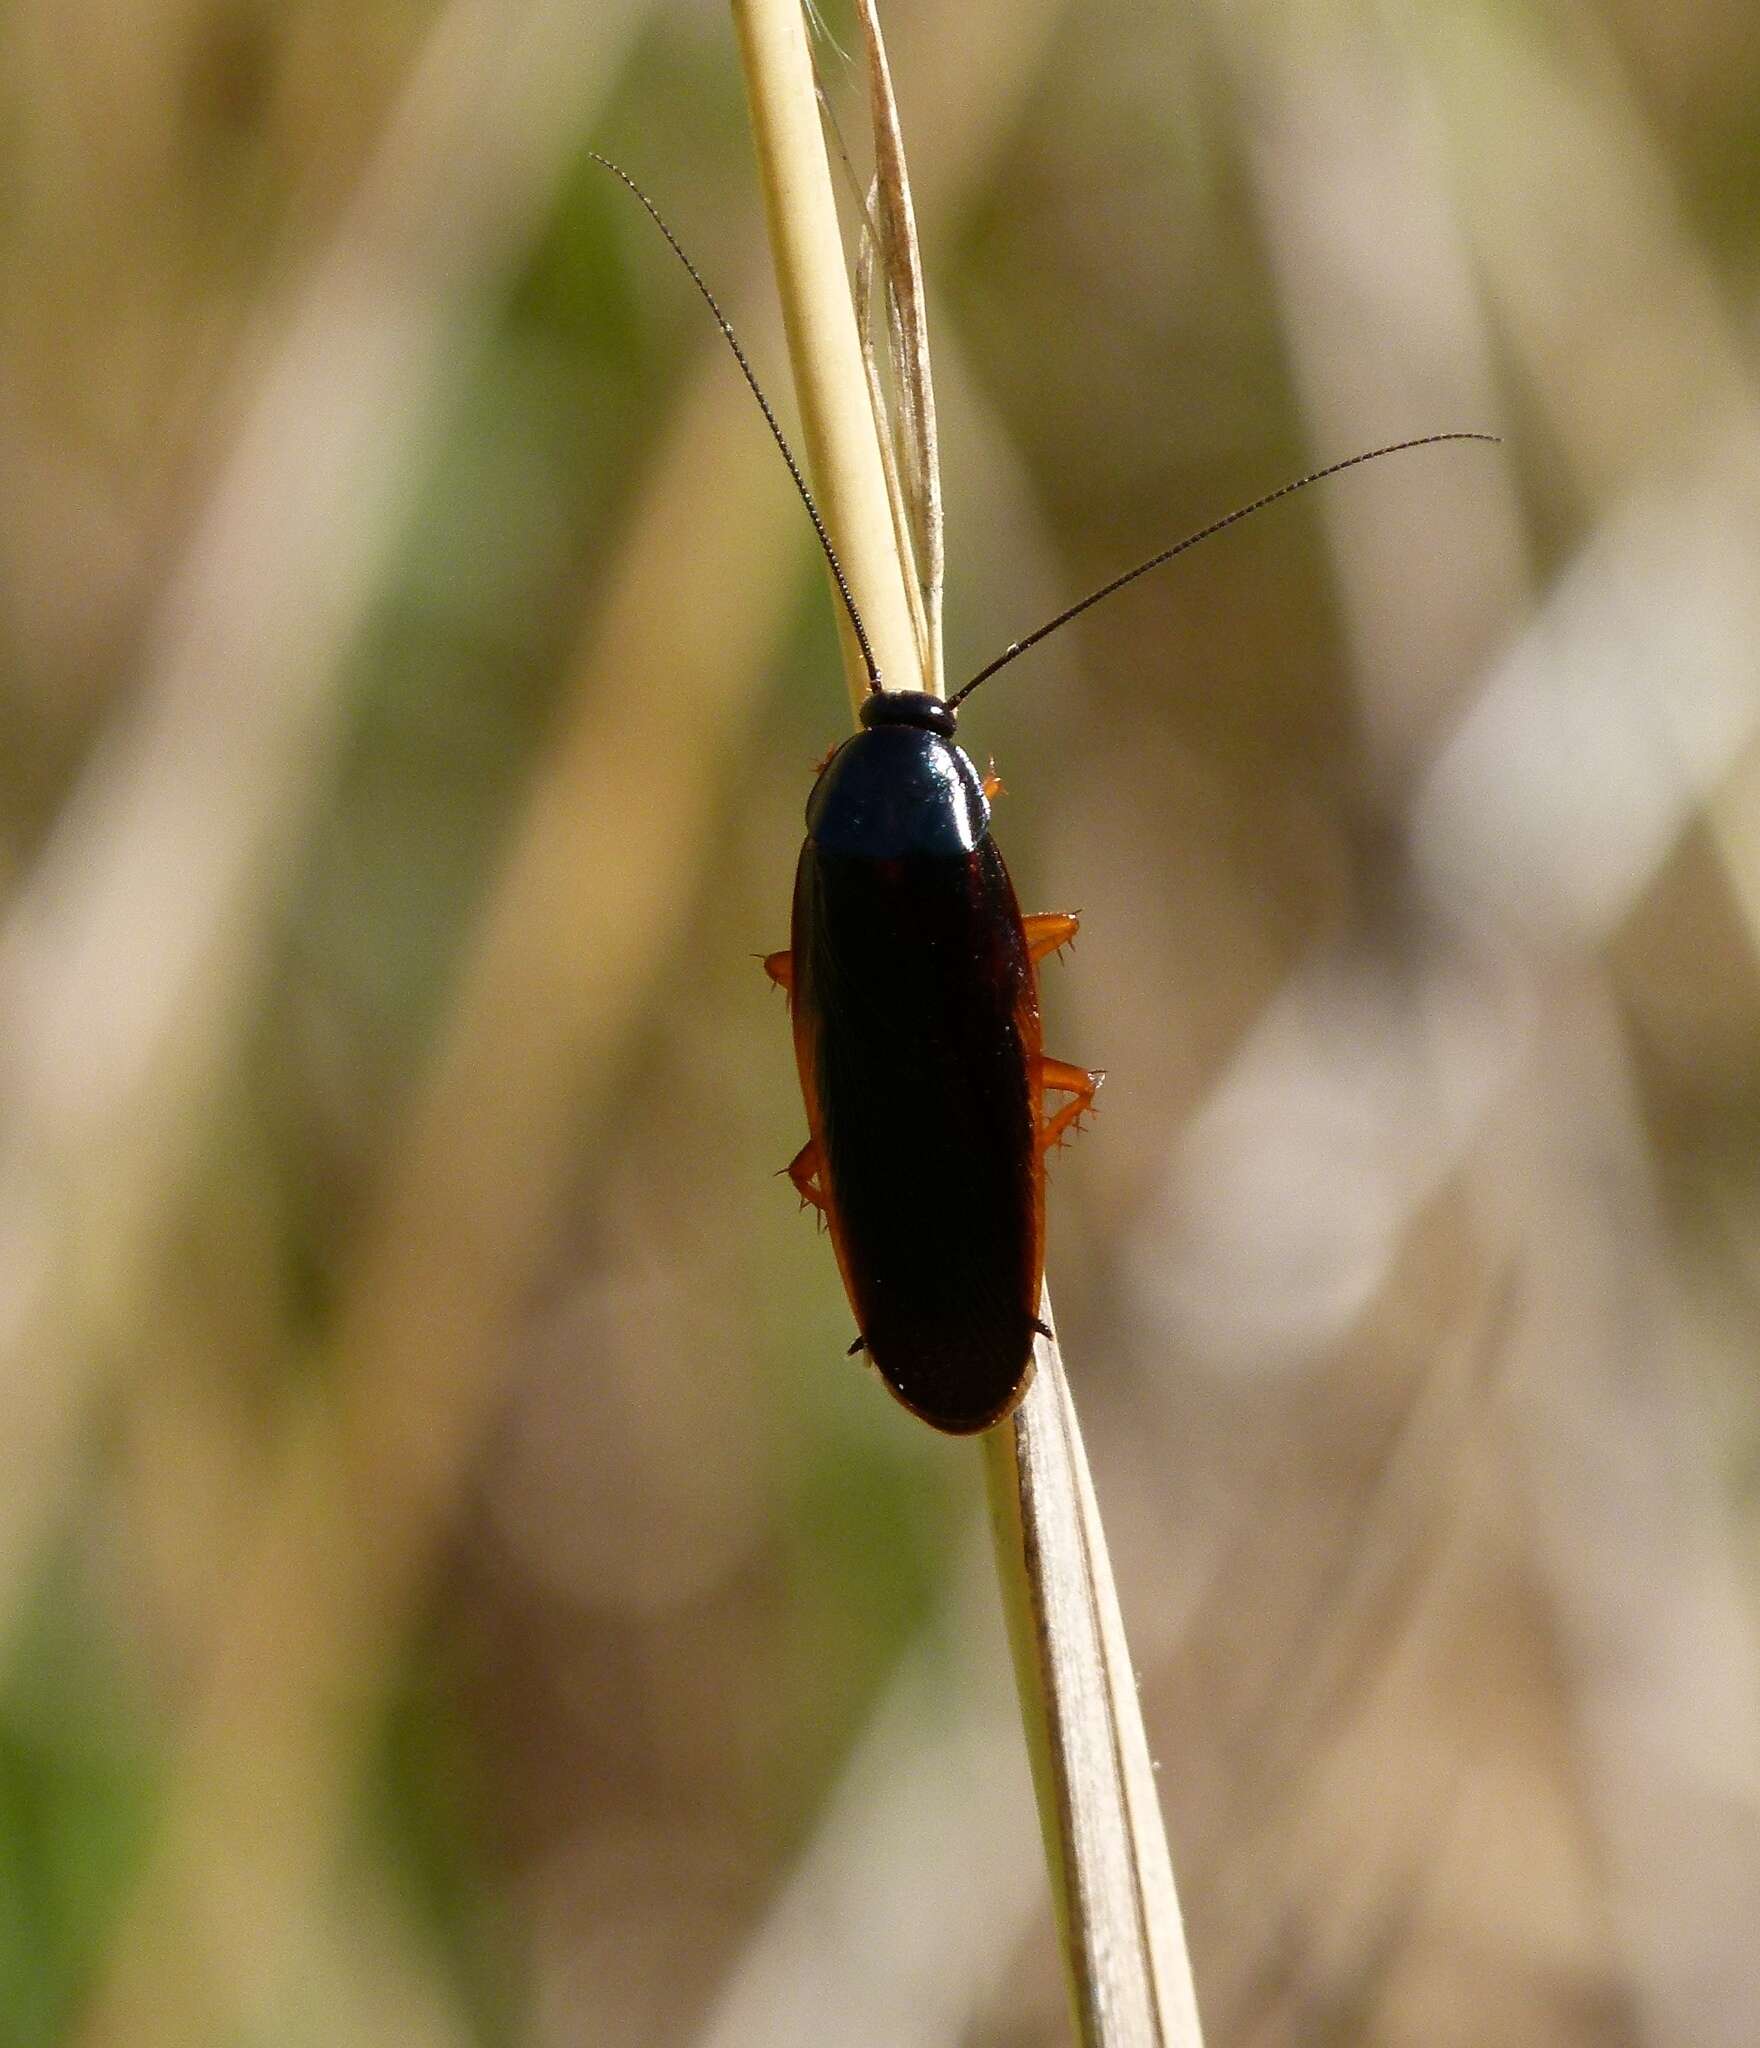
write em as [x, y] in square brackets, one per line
[1411, 1260]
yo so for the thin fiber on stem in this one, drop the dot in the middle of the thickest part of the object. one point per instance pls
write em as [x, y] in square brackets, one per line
[824, 347]
[918, 467]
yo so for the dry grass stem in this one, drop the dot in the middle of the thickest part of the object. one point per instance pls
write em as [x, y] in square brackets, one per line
[1113, 1880]
[1111, 1875]
[824, 345]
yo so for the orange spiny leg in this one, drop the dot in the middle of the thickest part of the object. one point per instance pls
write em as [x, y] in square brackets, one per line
[803, 1170]
[1046, 932]
[1058, 1077]
[780, 968]
[993, 785]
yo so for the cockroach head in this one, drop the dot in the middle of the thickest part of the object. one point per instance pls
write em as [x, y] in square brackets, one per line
[909, 707]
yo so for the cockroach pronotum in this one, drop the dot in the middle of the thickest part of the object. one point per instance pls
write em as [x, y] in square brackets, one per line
[912, 980]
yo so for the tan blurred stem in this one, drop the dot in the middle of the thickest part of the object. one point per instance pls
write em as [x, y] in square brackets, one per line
[128, 957]
[1111, 1875]
[927, 1834]
[556, 980]
[843, 448]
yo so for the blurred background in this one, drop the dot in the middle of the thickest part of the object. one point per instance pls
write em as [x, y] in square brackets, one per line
[452, 1588]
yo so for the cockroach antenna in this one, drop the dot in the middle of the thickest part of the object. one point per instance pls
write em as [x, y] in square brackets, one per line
[1018, 647]
[764, 406]
[1106, 590]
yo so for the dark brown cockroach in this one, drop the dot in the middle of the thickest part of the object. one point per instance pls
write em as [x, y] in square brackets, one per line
[913, 990]
[913, 986]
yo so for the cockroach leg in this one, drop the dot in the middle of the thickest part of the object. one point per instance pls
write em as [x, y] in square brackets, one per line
[780, 968]
[992, 785]
[1047, 932]
[1058, 1077]
[803, 1170]
[857, 1348]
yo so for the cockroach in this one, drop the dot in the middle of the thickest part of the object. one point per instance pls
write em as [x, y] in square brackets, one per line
[912, 980]
[913, 987]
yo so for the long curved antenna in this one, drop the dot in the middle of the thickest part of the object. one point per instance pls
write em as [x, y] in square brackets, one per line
[781, 439]
[1191, 540]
